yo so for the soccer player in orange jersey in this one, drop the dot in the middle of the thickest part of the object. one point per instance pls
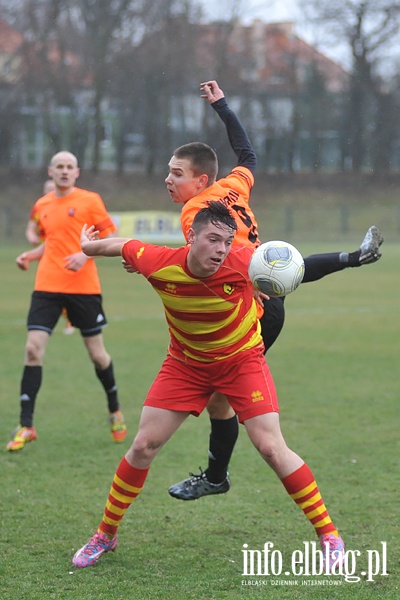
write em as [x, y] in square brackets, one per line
[35, 237]
[65, 278]
[192, 182]
[215, 344]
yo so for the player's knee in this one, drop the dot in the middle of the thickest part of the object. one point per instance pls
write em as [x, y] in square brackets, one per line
[34, 352]
[270, 450]
[144, 448]
[101, 360]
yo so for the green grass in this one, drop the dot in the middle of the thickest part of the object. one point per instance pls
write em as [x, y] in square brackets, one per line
[336, 371]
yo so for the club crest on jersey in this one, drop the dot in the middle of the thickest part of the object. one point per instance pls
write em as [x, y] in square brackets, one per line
[140, 252]
[170, 288]
[71, 212]
[229, 288]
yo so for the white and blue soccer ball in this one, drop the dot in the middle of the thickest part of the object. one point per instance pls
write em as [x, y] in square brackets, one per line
[276, 268]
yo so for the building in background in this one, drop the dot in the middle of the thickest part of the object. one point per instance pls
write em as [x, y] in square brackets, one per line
[291, 98]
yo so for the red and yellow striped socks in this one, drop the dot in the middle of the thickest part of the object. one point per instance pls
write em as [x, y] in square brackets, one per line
[126, 486]
[302, 487]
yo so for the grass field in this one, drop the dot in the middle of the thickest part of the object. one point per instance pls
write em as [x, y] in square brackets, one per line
[336, 371]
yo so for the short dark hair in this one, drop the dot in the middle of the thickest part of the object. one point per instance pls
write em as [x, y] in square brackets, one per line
[216, 213]
[202, 157]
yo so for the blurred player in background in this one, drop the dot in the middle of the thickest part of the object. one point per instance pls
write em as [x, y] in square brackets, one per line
[192, 182]
[65, 278]
[35, 237]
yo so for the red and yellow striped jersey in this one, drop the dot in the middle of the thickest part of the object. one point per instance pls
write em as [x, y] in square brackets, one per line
[209, 318]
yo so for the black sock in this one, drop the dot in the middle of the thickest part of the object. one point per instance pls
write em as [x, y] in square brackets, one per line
[30, 385]
[108, 382]
[320, 265]
[354, 259]
[223, 436]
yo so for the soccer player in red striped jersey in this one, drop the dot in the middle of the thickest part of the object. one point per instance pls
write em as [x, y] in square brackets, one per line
[215, 345]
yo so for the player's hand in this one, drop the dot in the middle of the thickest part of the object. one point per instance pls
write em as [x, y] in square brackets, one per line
[88, 234]
[23, 261]
[74, 262]
[259, 296]
[128, 267]
[211, 91]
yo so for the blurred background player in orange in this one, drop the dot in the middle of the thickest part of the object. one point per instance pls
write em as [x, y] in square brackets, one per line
[192, 182]
[35, 237]
[65, 278]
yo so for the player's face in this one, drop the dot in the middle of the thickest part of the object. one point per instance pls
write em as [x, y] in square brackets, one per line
[64, 170]
[209, 248]
[182, 184]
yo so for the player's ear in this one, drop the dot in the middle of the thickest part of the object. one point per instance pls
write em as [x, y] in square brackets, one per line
[202, 181]
[190, 237]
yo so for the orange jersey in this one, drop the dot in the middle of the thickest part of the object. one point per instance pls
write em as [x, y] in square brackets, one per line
[234, 192]
[209, 318]
[61, 220]
[33, 215]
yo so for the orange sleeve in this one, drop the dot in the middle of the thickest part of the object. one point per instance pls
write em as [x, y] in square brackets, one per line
[234, 191]
[100, 217]
[106, 227]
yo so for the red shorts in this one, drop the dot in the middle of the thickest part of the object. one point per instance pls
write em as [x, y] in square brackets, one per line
[244, 378]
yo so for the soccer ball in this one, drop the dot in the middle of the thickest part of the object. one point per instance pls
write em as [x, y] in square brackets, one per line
[276, 268]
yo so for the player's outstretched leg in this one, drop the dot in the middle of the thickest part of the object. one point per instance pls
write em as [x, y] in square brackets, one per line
[321, 265]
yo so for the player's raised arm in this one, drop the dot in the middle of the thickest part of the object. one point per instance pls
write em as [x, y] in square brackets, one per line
[91, 246]
[237, 135]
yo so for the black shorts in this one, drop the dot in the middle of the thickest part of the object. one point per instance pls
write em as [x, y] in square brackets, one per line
[85, 312]
[272, 320]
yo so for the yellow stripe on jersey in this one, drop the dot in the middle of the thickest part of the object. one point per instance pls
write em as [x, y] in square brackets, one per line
[202, 327]
[233, 337]
[194, 304]
[180, 276]
[254, 341]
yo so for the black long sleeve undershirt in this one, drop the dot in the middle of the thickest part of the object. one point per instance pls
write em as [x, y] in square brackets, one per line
[237, 136]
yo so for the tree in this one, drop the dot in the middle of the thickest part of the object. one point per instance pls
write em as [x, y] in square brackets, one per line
[368, 27]
[102, 28]
[155, 72]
